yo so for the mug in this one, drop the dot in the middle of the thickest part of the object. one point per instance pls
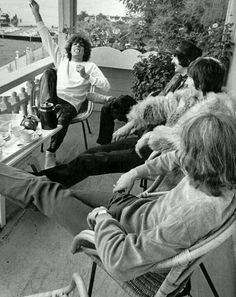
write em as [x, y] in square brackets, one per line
[28, 135]
[16, 131]
[2, 142]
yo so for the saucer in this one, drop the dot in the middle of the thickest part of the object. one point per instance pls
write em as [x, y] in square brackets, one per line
[5, 136]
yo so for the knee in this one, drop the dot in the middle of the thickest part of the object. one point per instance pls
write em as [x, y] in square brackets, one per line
[106, 109]
[50, 72]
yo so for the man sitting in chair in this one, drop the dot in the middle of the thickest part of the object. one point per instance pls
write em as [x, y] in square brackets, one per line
[119, 108]
[131, 233]
[69, 86]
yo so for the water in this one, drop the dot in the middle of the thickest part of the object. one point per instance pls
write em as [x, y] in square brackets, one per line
[49, 12]
[49, 9]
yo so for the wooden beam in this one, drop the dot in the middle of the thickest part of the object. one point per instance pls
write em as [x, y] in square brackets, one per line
[67, 12]
[231, 86]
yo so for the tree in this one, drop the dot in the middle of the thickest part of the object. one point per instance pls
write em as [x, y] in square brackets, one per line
[15, 21]
[82, 16]
[99, 31]
[206, 12]
[166, 22]
[156, 15]
[101, 17]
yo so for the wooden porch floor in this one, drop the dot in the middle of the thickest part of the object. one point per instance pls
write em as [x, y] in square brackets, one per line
[35, 252]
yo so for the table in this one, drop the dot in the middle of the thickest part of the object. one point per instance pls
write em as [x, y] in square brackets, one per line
[16, 153]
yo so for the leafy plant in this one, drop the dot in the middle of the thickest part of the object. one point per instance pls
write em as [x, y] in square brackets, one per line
[151, 74]
[217, 41]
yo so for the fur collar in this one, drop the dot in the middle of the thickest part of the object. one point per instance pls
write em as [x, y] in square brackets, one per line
[165, 138]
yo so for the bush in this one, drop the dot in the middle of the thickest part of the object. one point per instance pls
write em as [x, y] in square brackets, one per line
[152, 74]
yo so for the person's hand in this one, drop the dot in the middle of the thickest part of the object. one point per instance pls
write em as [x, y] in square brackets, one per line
[91, 218]
[35, 10]
[153, 155]
[34, 6]
[81, 70]
[121, 133]
[143, 141]
[125, 182]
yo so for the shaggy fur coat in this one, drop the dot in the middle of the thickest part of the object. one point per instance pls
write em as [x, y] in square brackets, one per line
[167, 138]
[164, 110]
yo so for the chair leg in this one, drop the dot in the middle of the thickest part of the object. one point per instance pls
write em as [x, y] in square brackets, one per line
[85, 138]
[34, 164]
[186, 290]
[41, 148]
[208, 279]
[87, 122]
[92, 277]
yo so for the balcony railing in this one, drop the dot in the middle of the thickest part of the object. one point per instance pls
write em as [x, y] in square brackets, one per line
[15, 87]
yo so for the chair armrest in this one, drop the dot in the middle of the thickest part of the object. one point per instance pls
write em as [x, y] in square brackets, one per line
[84, 242]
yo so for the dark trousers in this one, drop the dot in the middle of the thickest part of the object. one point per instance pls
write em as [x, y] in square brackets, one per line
[48, 93]
[115, 109]
[117, 157]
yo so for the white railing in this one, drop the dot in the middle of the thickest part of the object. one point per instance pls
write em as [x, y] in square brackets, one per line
[15, 87]
[31, 56]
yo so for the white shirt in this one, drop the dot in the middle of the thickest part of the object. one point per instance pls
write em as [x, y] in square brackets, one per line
[71, 87]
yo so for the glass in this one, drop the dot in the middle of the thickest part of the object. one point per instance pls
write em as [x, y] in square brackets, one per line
[2, 142]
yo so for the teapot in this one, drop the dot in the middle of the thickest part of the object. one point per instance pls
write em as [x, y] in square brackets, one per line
[47, 113]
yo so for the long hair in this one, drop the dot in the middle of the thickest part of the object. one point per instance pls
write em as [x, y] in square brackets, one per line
[80, 39]
[208, 74]
[208, 151]
[187, 52]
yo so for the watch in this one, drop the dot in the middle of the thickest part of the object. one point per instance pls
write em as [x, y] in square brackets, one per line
[102, 211]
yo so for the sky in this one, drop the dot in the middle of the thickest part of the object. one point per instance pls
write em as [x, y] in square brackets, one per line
[49, 9]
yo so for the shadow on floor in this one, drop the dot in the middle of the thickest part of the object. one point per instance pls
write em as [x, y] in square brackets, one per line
[35, 252]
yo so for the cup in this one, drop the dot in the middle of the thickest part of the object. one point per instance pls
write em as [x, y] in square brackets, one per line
[2, 143]
[28, 135]
[16, 131]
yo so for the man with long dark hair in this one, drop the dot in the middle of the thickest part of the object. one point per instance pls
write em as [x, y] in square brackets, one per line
[69, 85]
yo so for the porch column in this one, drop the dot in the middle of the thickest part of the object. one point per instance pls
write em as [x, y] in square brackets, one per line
[231, 18]
[67, 13]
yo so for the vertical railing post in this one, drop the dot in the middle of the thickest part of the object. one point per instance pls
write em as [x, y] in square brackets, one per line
[16, 59]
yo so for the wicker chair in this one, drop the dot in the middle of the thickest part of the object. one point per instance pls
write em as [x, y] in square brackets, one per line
[175, 284]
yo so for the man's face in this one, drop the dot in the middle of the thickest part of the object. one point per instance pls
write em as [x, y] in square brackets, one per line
[178, 68]
[77, 50]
